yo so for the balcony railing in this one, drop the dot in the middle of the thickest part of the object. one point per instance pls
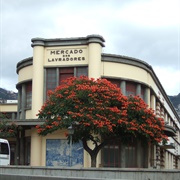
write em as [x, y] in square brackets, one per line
[169, 131]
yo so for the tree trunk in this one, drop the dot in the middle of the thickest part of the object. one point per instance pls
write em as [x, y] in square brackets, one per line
[93, 159]
[93, 152]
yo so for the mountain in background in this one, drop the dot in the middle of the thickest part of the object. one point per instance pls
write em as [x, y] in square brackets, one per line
[7, 95]
[175, 101]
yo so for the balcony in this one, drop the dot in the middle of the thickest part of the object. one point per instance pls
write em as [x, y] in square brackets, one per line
[168, 146]
[169, 131]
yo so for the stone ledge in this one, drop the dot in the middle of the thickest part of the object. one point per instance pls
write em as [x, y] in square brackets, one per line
[36, 177]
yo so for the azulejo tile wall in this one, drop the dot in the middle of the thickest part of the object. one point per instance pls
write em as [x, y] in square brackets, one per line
[58, 153]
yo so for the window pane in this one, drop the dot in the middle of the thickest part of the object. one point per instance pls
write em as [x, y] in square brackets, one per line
[130, 153]
[115, 81]
[111, 155]
[50, 79]
[4, 148]
[82, 71]
[118, 154]
[142, 92]
[65, 73]
[130, 88]
[28, 95]
[66, 70]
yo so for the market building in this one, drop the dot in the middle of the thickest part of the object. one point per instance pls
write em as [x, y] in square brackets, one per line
[57, 59]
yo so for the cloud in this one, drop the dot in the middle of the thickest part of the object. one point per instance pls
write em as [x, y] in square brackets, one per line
[167, 76]
[151, 13]
[145, 29]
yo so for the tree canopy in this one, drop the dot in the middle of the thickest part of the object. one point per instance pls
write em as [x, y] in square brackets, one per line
[98, 111]
[7, 128]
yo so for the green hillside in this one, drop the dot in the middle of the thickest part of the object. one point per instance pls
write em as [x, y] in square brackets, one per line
[7, 95]
[175, 100]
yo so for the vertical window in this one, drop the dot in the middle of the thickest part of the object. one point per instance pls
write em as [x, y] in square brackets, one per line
[50, 79]
[131, 155]
[19, 98]
[130, 88]
[111, 154]
[81, 71]
[65, 73]
[28, 95]
[142, 92]
[115, 81]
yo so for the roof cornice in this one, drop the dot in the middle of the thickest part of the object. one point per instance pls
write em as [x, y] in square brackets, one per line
[68, 41]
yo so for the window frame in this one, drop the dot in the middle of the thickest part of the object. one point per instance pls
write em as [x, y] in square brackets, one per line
[28, 103]
[58, 73]
[136, 149]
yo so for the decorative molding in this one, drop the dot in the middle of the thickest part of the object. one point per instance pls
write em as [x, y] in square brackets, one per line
[68, 41]
[24, 63]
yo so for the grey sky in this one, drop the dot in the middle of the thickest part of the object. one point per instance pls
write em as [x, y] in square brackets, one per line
[145, 29]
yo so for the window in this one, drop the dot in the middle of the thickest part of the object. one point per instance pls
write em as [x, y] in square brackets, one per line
[130, 155]
[55, 76]
[81, 71]
[4, 149]
[130, 88]
[143, 92]
[51, 79]
[65, 73]
[29, 95]
[111, 155]
[115, 81]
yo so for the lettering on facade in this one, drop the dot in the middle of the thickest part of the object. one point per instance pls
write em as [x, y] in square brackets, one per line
[66, 55]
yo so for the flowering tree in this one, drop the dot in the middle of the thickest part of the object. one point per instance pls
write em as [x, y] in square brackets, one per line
[142, 122]
[98, 111]
[7, 129]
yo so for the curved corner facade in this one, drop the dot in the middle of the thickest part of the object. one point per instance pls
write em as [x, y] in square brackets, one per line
[54, 60]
